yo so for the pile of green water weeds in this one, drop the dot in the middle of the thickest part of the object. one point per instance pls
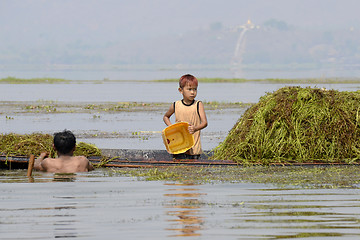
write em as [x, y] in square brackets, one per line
[296, 125]
[24, 145]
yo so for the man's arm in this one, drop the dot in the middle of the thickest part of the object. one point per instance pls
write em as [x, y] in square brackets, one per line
[90, 166]
[38, 161]
[85, 164]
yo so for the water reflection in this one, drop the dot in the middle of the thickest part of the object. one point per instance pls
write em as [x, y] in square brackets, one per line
[64, 177]
[186, 214]
[62, 215]
[65, 218]
[64, 224]
[97, 206]
[290, 214]
[30, 179]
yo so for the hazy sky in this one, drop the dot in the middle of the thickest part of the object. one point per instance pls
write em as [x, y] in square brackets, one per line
[24, 21]
[161, 31]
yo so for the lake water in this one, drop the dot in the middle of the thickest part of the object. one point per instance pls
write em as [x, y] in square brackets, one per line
[127, 123]
[154, 72]
[116, 130]
[104, 205]
[147, 91]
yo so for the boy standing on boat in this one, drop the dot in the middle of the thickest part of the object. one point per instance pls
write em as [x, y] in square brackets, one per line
[188, 110]
[64, 144]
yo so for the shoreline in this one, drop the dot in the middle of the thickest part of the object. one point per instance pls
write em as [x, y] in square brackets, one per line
[61, 81]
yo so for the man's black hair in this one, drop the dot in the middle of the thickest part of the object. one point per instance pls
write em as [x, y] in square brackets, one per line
[64, 141]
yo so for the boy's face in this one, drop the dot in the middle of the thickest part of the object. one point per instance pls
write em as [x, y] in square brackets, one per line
[189, 92]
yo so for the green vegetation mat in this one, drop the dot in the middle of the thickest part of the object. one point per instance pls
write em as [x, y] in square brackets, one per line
[284, 176]
[25, 145]
[295, 124]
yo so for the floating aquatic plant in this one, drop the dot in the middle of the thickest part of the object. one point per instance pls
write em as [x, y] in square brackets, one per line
[86, 149]
[282, 176]
[24, 145]
[296, 124]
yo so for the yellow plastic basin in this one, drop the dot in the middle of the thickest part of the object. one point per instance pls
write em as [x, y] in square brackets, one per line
[177, 138]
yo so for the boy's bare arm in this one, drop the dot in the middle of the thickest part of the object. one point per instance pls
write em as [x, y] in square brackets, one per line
[203, 120]
[168, 114]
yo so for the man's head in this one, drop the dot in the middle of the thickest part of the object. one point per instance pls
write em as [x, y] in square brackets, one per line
[64, 142]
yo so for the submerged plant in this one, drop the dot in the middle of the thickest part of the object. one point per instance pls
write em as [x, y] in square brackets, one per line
[282, 176]
[296, 124]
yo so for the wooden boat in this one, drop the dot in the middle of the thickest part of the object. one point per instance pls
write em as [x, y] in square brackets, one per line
[130, 158]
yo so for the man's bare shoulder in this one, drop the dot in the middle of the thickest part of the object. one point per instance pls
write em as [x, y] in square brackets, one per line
[65, 164]
[47, 161]
[50, 163]
[80, 158]
[83, 163]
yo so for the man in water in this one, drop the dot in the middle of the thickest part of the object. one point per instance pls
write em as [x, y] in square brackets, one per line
[64, 145]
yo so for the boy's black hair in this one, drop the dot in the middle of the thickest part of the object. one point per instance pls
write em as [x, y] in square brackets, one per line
[64, 141]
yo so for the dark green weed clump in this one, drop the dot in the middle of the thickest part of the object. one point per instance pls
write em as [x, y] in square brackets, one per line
[296, 125]
[25, 145]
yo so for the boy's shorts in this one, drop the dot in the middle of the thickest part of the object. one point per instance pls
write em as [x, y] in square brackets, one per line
[185, 156]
